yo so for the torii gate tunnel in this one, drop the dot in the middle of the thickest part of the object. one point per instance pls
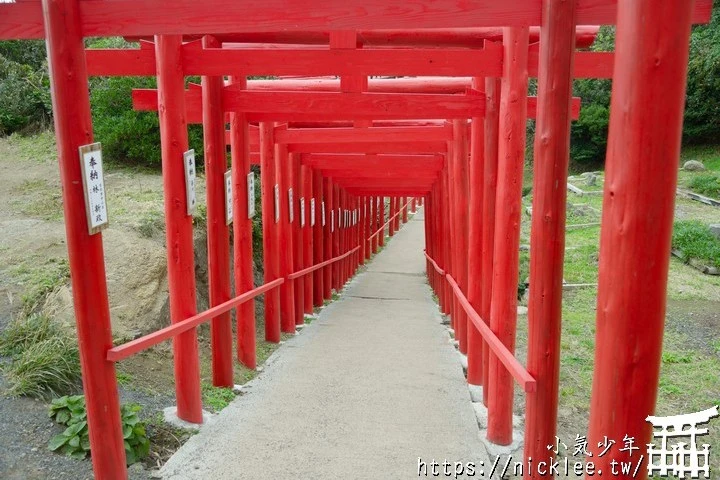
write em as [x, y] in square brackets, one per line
[449, 132]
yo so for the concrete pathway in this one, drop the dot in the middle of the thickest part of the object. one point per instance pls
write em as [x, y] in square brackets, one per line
[362, 392]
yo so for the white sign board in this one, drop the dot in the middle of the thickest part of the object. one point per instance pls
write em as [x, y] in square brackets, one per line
[94, 187]
[312, 212]
[323, 213]
[291, 210]
[189, 161]
[251, 194]
[277, 203]
[302, 211]
[228, 198]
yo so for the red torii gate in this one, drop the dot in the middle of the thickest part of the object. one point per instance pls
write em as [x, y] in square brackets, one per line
[65, 22]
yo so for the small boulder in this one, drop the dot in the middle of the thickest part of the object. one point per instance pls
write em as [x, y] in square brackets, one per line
[591, 180]
[693, 166]
[715, 229]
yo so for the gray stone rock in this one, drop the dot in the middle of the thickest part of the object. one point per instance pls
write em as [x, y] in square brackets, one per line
[693, 166]
[715, 229]
[591, 180]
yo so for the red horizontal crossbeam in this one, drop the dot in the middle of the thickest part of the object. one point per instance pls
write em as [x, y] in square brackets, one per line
[320, 265]
[371, 147]
[372, 162]
[457, 37]
[369, 176]
[128, 349]
[514, 367]
[103, 18]
[357, 135]
[141, 62]
[317, 62]
[384, 182]
[296, 106]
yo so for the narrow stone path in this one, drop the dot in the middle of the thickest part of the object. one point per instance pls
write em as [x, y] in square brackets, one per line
[362, 392]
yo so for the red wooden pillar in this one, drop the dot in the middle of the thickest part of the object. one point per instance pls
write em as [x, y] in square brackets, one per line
[367, 227]
[511, 154]
[285, 248]
[547, 243]
[73, 128]
[327, 236]
[405, 210]
[318, 239]
[430, 249]
[414, 204]
[391, 218]
[373, 225]
[446, 240]
[178, 231]
[306, 178]
[364, 250]
[475, 254]
[492, 119]
[398, 206]
[450, 225]
[242, 234]
[459, 187]
[337, 279]
[271, 258]
[381, 221]
[297, 238]
[646, 114]
[342, 234]
[218, 235]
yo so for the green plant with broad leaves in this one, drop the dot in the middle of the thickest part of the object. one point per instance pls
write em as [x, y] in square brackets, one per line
[70, 411]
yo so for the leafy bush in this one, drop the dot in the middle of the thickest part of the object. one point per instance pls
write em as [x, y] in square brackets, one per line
[25, 94]
[695, 240]
[75, 441]
[706, 184]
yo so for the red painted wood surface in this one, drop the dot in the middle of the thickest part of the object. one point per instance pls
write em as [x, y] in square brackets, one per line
[460, 187]
[318, 239]
[288, 107]
[373, 225]
[363, 135]
[178, 229]
[498, 348]
[242, 236]
[306, 180]
[328, 235]
[284, 248]
[637, 221]
[399, 148]
[335, 234]
[320, 265]
[547, 241]
[129, 349]
[298, 239]
[458, 37]
[318, 62]
[141, 62]
[475, 255]
[380, 218]
[143, 18]
[492, 102]
[270, 235]
[511, 154]
[363, 226]
[393, 206]
[218, 236]
[73, 128]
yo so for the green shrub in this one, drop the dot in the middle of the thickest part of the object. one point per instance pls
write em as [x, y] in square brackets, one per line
[706, 184]
[75, 441]
[695, 240]
[25, 94]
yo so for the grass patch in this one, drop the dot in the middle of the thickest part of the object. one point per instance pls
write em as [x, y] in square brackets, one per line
[45, 369]
[151, 223]
[706, 184]
[216, 398]
[695, 240]
[308, 319]
[39, 148]
[165, 440]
